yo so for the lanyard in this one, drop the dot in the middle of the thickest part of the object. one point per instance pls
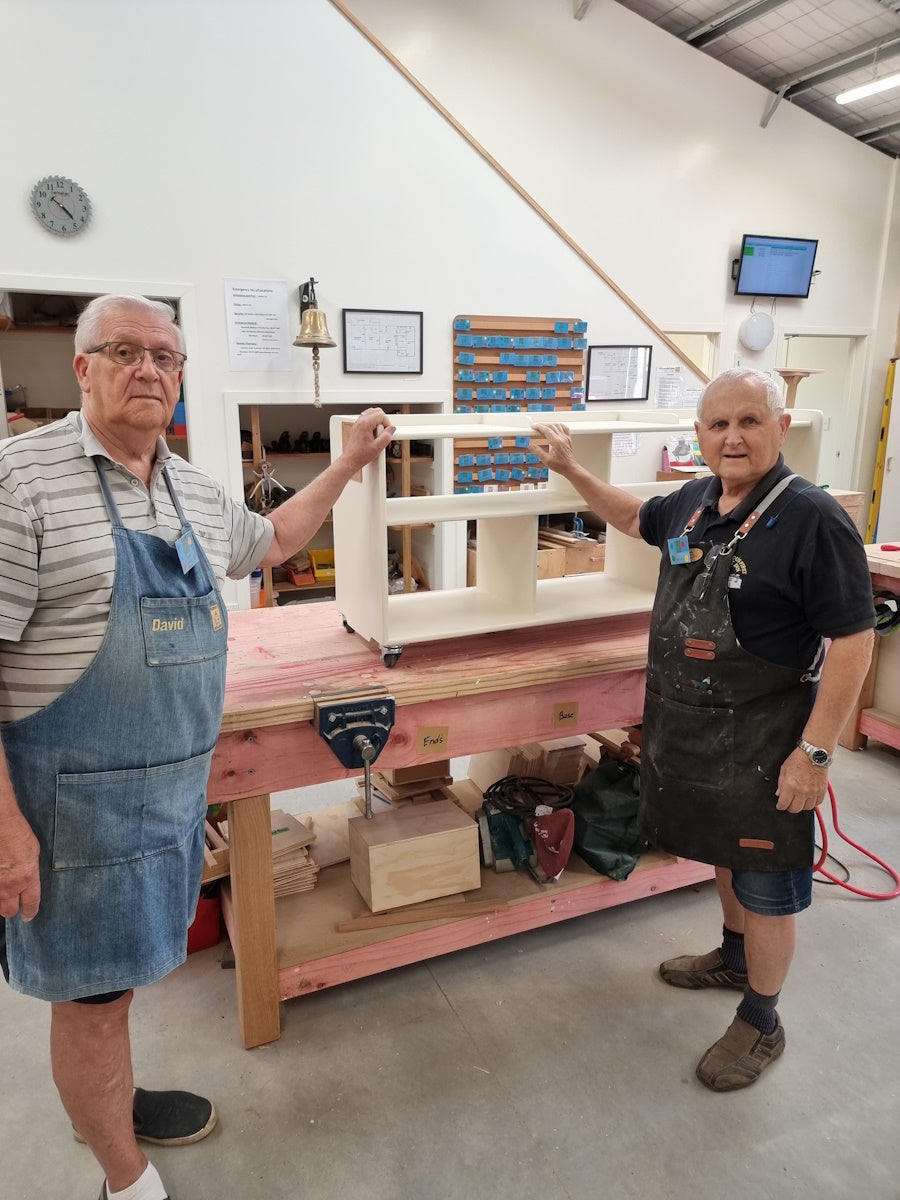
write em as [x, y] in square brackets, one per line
[679, 550]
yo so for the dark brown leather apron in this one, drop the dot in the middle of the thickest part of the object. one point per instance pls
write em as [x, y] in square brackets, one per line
[718, 724]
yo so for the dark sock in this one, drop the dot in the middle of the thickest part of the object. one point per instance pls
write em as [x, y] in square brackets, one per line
[732, 951]
[758, 1011]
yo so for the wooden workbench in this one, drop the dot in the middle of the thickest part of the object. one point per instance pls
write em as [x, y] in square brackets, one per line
[453, 698]
[877, 712]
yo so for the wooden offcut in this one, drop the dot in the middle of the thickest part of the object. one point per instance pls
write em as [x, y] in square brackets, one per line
[412, 854]
[581, 555]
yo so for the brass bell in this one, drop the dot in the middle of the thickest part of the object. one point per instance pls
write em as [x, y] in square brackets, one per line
[314, 330]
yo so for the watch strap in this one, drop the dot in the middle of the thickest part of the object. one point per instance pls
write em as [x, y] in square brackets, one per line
[817, 755]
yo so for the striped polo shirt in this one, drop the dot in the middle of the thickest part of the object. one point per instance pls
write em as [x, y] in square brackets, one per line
[57, 559]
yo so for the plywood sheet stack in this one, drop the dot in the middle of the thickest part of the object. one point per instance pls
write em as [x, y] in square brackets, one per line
[293, 868]
[400, 786]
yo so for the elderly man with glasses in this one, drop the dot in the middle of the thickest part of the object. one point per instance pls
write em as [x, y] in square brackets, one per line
[113, 636]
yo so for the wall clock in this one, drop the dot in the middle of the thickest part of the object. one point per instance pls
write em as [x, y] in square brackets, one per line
[61, 206]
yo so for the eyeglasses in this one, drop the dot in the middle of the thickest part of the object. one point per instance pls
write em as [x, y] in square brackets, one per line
[127, 354]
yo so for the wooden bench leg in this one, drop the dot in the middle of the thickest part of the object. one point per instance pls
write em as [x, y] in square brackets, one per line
[249, 901]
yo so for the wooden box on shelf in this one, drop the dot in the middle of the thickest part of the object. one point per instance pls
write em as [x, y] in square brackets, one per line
[551, 564]
[415, 853]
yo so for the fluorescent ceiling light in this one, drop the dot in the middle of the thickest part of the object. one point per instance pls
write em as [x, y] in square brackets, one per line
[869, 89]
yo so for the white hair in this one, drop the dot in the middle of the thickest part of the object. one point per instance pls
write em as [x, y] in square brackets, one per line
[91, 323]
[774, 398]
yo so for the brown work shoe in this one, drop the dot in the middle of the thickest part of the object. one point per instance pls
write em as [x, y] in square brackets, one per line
[701, 971]
[739, 1058]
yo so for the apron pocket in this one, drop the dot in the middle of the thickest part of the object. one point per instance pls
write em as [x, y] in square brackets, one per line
[183, 629]
[689, 744]
[109, 817]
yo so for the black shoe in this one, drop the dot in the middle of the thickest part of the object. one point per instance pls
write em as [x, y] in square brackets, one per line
[170, 1118]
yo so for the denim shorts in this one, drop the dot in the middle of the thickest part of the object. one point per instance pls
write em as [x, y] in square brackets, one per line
[774, 893]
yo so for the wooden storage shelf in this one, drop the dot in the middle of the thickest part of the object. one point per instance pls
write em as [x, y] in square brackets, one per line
[507, 594]
[306, 925]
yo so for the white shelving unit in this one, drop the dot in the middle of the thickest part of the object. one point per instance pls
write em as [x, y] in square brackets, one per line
[507, 594]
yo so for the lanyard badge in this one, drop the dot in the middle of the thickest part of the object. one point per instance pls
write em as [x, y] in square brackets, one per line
[679, 550]
[187, 552]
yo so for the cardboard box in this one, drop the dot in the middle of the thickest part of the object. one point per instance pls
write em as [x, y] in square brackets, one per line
[413, 854]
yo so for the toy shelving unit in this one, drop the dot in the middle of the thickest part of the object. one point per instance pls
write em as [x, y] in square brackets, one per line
[507, 594]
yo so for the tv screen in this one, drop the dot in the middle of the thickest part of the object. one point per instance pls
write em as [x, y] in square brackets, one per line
[775, 266]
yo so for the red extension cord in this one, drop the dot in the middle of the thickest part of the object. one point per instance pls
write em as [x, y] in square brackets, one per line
[841, 882]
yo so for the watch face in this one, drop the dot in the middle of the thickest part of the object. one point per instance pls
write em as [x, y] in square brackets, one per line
[819, 758]
[60, 205]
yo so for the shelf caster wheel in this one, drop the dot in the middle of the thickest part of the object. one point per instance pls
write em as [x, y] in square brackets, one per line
[391, 656]
[349, 628]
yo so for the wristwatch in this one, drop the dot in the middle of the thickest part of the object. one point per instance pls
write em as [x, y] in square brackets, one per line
[816, 755]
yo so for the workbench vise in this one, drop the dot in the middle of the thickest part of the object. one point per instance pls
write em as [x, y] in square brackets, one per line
[356, 726]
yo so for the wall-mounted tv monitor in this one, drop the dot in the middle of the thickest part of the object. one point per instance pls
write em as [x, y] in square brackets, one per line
[775, 266]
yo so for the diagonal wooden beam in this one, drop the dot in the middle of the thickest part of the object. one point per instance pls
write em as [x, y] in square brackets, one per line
[517, 187]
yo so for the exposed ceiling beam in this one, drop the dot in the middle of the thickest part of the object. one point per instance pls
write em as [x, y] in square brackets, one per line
[839, 64]
[741, 13]
[878, 129]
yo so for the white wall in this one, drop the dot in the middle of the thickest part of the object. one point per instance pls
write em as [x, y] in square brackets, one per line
[651, 156]
[227, 139]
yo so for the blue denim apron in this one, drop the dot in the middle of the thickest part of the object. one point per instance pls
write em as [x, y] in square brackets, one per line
[112, 778]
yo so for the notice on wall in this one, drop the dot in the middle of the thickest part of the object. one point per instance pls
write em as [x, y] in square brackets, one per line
[669, 387]
[625, 445]
[258, 332]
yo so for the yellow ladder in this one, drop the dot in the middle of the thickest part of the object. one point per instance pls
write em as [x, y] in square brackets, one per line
[880, 457]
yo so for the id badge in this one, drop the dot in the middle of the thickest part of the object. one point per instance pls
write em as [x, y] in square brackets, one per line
[679, 551]
[187, 552]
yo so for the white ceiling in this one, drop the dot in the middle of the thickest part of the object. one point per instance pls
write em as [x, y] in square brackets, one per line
[804, 52]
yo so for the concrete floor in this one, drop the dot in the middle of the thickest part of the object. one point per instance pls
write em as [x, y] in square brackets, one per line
[554, 1065]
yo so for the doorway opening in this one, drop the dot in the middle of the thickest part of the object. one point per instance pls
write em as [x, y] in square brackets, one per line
[36, 349]
[835, 391]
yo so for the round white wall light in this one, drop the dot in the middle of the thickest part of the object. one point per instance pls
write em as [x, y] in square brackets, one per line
[756, 331]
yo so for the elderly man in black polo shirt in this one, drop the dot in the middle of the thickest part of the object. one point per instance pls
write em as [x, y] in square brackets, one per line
[744, 707]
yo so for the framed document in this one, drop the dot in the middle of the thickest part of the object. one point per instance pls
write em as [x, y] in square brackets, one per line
[618, 373]
[382, 342]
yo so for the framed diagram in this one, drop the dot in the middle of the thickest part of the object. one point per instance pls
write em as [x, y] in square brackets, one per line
[618, 373]
[382, 341]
